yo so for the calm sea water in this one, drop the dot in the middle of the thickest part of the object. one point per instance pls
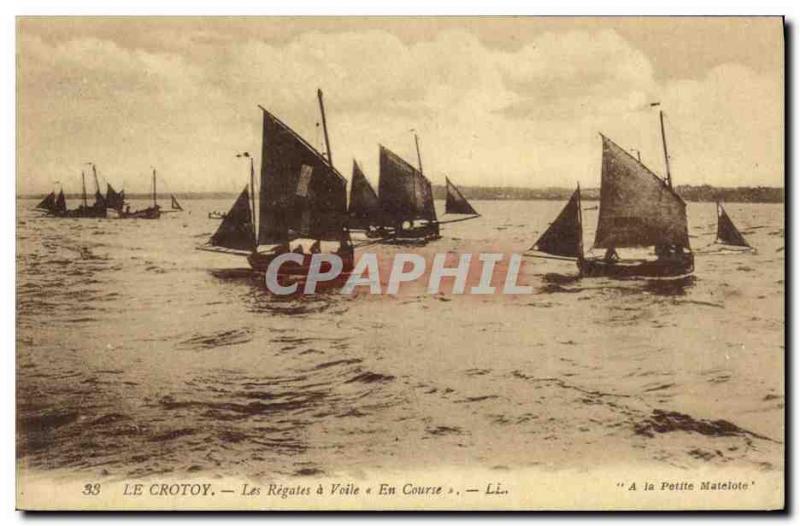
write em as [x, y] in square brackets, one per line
[136, 356]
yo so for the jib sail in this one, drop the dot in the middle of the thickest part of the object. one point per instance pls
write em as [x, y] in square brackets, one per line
[236, 231]
[564, 237]
[456, 203]
[365, 208]
[727, 232]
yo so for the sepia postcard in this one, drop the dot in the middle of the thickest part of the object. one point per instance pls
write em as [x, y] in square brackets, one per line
[400, 263]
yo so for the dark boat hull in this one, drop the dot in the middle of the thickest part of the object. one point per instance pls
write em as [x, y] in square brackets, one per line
[415, 235]
[667, 268]
[81, 213]
[154, 212]
[261, 262]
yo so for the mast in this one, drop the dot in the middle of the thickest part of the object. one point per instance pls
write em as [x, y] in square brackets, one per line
[83, 182]
[580, 223]
[419, 157]
[155, 204]
[96, 183]
[253, 198]
[325, 127]
[664, 142]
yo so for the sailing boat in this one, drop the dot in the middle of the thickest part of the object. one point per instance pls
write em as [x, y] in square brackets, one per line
[637, 209]
[98, 209]
[114, 200]
[727, 233]
[53, 205]
[456, 203]
[302, 196]
[151, 212]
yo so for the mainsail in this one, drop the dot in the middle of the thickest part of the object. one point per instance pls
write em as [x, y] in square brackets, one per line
[48, 203]
[405, 194]
[564, 237]
[175, 205]
[114, 200]
[236, 231]
[61, 203]
[637, 208]
[365, 208]
[727, 232]
[456, 203]
[301, 194]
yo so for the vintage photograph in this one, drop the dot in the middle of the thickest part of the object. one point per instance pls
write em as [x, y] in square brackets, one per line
[400, 263]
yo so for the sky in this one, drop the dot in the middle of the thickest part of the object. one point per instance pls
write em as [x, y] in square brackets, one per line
[510, 101]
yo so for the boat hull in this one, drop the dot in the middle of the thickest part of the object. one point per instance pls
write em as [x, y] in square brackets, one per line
[260, 262]
[666, 268]
[154, 212]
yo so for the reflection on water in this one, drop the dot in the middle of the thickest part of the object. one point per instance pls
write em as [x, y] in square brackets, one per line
[139, 355]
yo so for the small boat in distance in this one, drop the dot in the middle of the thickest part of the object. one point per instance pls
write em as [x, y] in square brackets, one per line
[98, 209]
[637, 209]
[151, 212]
[727, 233]
[216, 214]
[301, 197]
[456, 203]
[52, 204]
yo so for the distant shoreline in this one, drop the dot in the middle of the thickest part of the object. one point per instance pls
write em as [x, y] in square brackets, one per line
[703, 193]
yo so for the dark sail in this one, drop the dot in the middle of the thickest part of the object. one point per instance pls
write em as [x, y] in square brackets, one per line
[236, 231]
[456, 203]
[99, 200]
[175, 205]
[61, 203]
[637, 208]
[365, 209]
[726, 231]
[564, 237]
[48, 203]
[114, 200]
[301, 194]
[405, 194]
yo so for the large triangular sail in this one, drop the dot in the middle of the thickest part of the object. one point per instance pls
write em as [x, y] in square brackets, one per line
[637, 208]
[405, 194]
[727, 232]
[564, 236]
[365, 208]
[236, 231]
[455, 202]
[301, 194]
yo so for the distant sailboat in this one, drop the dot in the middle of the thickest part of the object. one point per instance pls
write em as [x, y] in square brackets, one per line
[727, 233]
[302, 196]
[174, 204]
[98, 209]
[637, 209]
[456, 203]
[406, 196]
[151, 212]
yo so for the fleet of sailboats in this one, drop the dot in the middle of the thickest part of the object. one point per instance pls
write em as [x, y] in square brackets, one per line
[114, 201]
[302, 207]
